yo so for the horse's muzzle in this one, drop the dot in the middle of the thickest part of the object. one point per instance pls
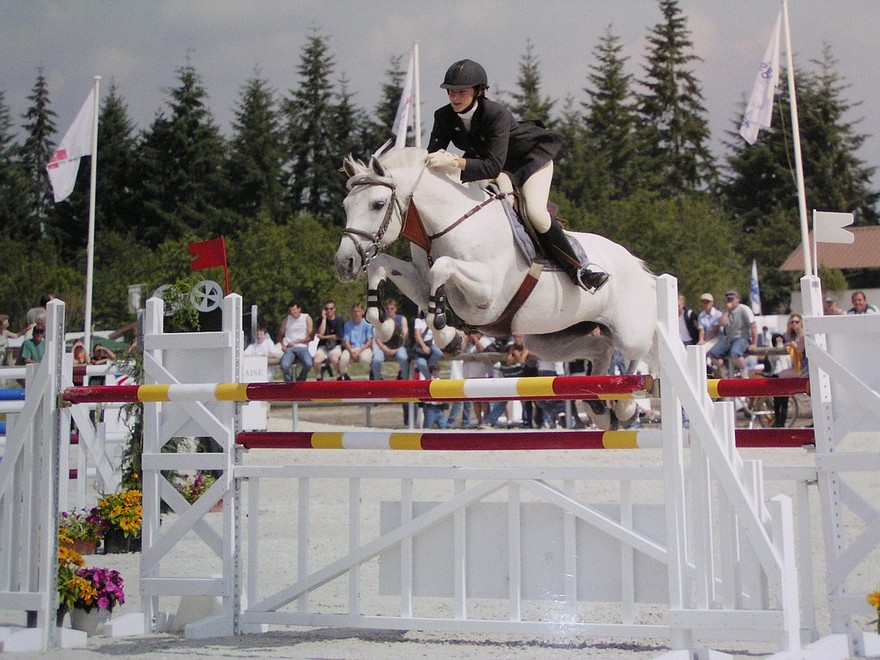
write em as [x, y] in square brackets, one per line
[348, 265]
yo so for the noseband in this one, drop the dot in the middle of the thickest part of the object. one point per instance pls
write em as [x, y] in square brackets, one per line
[372, 249]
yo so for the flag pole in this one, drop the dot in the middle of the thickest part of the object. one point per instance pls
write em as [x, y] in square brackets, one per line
[796, 135]
[417, 111]
[90, 246]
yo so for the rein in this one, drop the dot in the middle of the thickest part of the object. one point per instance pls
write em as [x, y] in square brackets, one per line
[408, 215]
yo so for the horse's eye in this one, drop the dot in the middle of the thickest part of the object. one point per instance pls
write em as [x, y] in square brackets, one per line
[377, 205]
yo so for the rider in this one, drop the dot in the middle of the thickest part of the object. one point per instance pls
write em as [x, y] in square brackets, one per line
[492, 141]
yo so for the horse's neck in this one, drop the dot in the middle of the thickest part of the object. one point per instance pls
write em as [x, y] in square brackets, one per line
[442, 204]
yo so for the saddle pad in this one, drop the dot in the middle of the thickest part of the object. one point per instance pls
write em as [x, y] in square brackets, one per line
[520, 237]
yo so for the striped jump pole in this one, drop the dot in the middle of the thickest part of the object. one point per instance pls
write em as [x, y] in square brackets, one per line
[749, 387]
[494, 441]
[392, 391]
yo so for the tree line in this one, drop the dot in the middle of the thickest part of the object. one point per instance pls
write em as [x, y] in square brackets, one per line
[636, 168]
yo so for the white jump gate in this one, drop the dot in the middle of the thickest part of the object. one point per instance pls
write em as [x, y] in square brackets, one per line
[723, 556]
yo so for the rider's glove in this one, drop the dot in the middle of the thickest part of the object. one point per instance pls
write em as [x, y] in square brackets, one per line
[442, 162]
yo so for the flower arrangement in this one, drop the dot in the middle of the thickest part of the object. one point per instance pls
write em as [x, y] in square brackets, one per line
[873, 599]
[122, 511]
[84, 588]
[194, 487]
[82, 525]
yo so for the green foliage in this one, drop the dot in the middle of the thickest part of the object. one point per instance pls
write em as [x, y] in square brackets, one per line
[530, 104]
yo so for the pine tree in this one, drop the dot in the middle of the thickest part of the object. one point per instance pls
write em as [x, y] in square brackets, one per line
[379, 129]
[671, 108]
[611, 120]
[183, 160]
[13, 184]
[347, 136]
[38, 147]
[529, 103]
[254, 169]
[308, 113]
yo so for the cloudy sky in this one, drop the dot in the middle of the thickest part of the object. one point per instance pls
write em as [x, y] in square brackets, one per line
[138, 45]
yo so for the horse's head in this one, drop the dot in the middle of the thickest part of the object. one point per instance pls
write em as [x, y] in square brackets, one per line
[374, 209]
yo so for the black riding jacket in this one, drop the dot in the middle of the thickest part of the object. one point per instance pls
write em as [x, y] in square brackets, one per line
[496, 142]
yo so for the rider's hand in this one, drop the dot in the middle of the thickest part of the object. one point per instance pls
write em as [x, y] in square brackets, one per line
[442, 162]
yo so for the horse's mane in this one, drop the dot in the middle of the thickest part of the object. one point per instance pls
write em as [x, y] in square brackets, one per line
[408, 157]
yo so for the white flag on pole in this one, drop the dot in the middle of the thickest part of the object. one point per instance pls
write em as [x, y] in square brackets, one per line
[759, 110]
[828, 227]
[77, 142]
[754, 291]
[404, 108]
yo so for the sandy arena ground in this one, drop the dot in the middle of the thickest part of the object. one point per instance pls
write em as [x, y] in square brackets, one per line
[367, 645]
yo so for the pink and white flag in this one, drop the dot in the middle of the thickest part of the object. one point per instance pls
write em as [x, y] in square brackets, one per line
[77, 142]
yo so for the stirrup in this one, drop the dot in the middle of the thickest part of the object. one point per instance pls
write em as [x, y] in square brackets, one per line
[590, 280]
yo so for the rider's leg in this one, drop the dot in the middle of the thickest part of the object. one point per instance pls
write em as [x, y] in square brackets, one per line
[536, 190]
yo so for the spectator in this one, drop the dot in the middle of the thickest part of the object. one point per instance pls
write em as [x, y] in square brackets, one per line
[294, 335]
[396, 345]
[33, 349]
[477, 342]
[689, 328]
[80, 357]
[456, 372]
[40, 310]
[551, 409]
[5, 335]
[708, 319]
[357, 342]
[860, 304]
[514, 366]
[794, 342]
[433, 411]
[830, 307]
[424, 353]
[102, 355]
[329, 335]
[740, 335]
[40, 318]
[262, 343]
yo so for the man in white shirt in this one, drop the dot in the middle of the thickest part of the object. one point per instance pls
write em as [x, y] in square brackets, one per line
[708, 319]
[860, 304]
[294, 335]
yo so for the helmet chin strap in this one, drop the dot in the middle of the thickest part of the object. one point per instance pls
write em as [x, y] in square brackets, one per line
[471, 107]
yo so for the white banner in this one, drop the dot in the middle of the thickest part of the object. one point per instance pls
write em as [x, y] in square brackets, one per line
[404, 108]
[759, 110]
[828, 227]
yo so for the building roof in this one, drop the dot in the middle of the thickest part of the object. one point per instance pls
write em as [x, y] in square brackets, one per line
[864, 252]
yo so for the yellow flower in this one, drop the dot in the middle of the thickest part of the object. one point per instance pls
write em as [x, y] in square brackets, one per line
[874, 600]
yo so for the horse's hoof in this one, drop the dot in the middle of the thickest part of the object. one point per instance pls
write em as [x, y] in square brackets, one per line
[454, 347]
[439, 320]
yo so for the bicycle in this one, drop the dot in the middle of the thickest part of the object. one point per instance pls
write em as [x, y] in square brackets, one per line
[760, 411]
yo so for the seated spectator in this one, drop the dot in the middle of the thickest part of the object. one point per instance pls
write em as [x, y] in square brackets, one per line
[740, 335]
[5, 335]
[33, 349]
[708, 319]
[357, 342]
[294, 335]
[860, 304]
[424, 352]
[396, 346]
[80, 357]
[830, 307]
[102, 355]
[262, 344]
[434, 411]
[329, 334]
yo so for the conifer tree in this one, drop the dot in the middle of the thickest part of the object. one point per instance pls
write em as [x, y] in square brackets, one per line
[529, 103]
[183, 159]
[379, 129]
[671, 108]
[254, 169]
[13, 185]
[35, 153]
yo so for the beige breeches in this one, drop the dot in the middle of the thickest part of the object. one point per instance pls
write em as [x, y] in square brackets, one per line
[536, 191]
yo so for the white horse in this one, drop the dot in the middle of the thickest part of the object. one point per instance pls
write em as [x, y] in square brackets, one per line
[462, 241]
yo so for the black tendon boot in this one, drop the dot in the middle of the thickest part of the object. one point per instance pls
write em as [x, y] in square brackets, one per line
[556, 245]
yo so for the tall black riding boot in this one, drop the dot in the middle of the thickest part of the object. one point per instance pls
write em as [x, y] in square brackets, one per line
[557, 247]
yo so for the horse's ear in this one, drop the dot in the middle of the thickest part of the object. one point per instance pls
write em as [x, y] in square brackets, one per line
[376, 166]
[348, 166]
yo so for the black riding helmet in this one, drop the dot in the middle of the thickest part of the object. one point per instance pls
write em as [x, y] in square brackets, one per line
[465, 73]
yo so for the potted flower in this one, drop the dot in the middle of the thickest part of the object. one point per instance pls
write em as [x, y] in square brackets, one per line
[873, 599]
[69, 588]
[83, 528]
[196, 486]
[122, 512]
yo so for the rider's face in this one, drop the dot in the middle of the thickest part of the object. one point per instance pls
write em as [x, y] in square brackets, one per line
[460, 99]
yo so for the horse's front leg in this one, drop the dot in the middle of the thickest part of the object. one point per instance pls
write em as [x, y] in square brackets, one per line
[406, 276]
[473, 280]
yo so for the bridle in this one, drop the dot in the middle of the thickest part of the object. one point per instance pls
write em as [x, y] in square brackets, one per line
[374, 246]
